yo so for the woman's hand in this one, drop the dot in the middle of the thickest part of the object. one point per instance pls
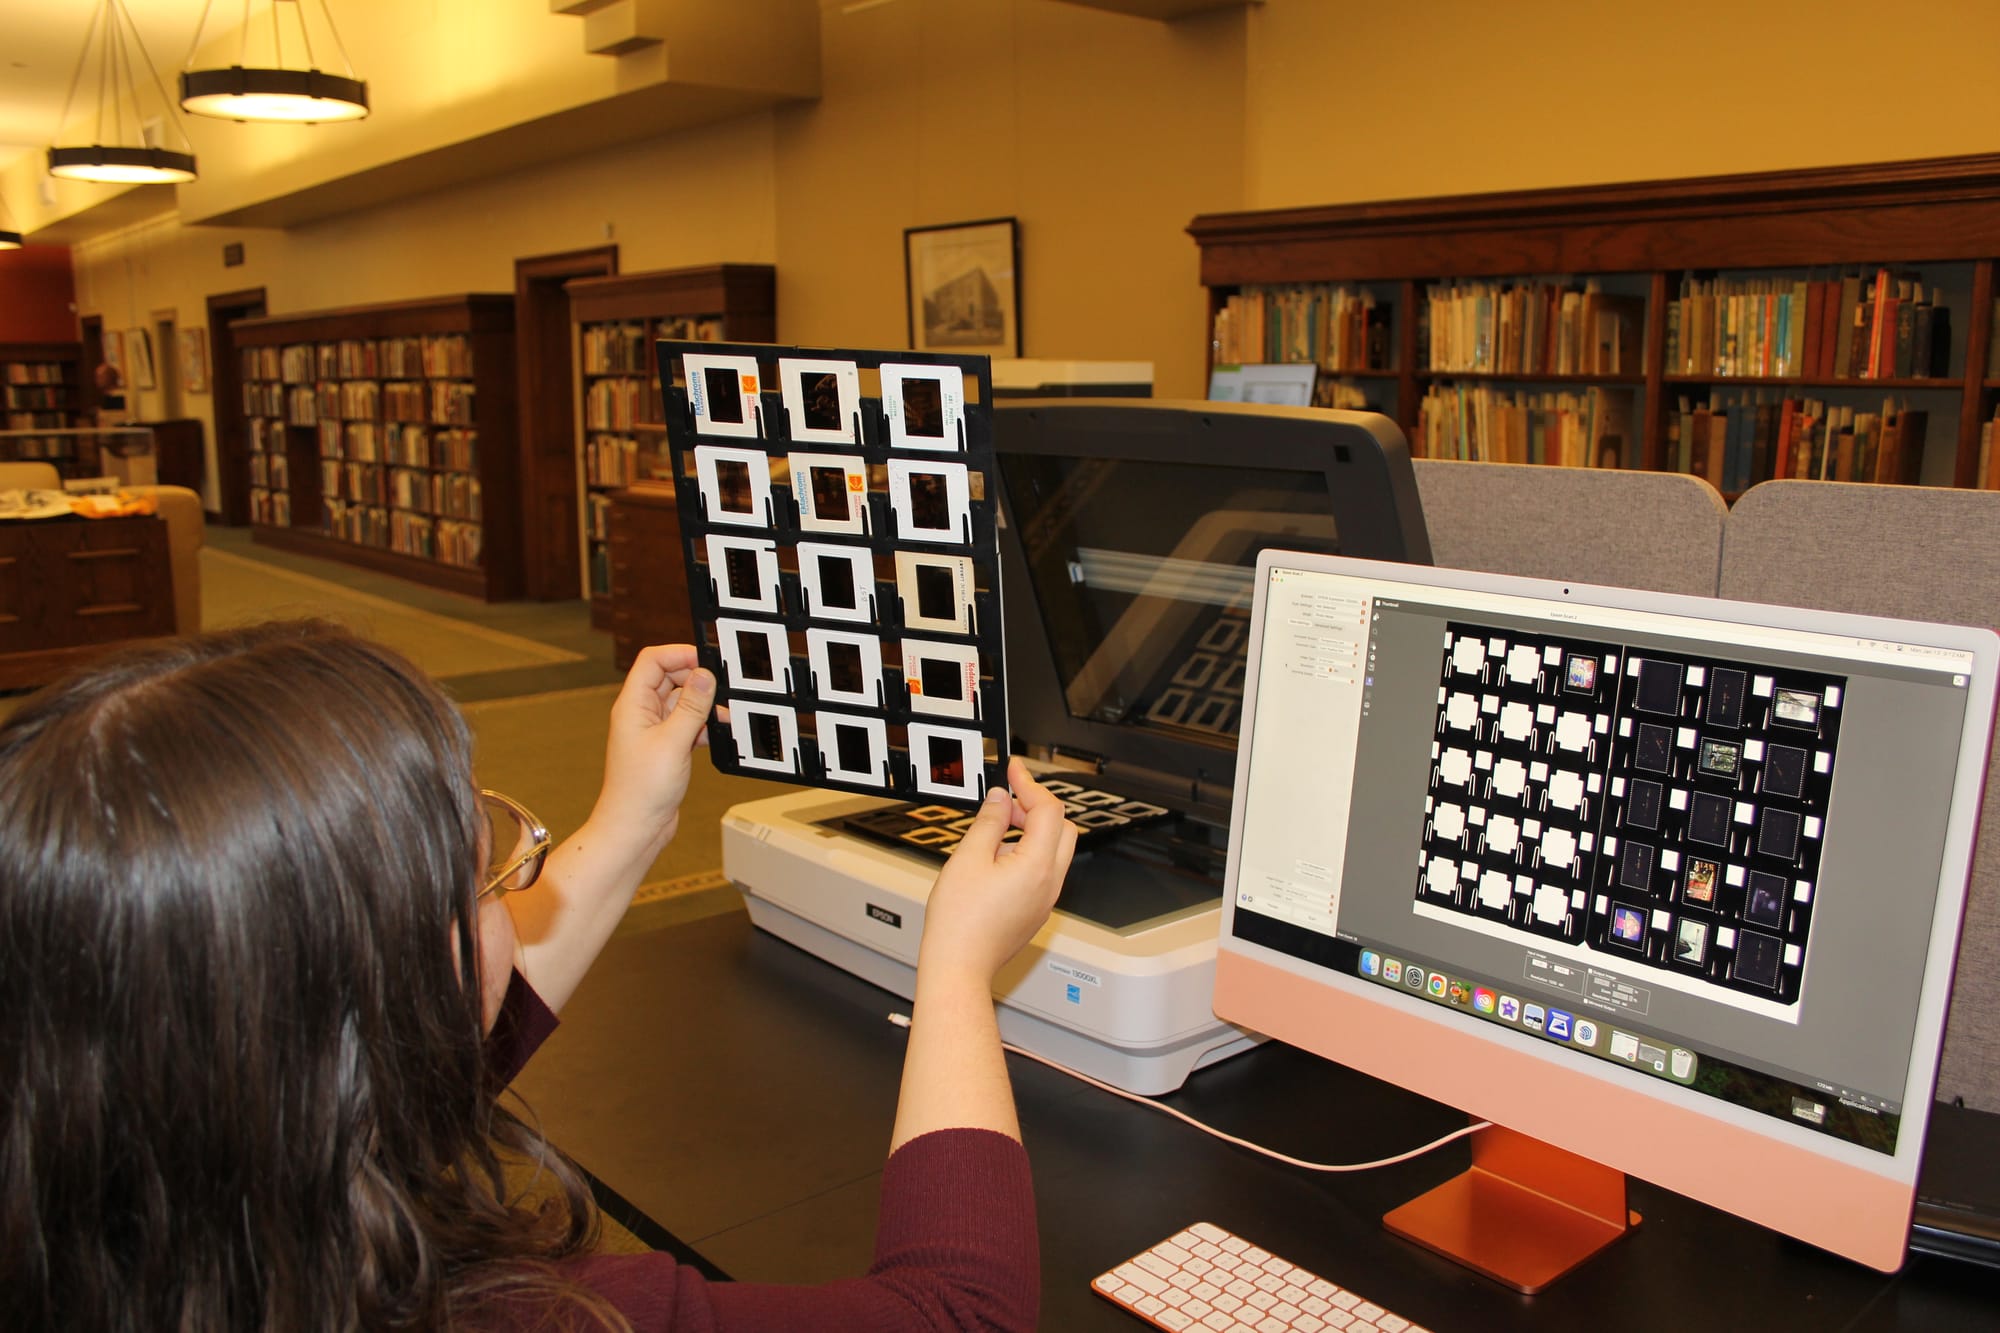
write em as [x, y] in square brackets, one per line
[992, 896]
[658, 719]
[989, 901]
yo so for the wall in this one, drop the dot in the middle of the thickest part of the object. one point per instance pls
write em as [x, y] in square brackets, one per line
[37, 295]
[1102, 134]
[702, 196]
[1353, 102]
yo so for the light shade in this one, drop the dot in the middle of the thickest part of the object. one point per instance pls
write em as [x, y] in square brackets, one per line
[296, 95]
[9, 240]
[118, 165]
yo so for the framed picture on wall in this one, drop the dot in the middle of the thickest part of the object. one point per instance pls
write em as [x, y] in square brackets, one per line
[962, 283]
[139, 352]
[194, 359]
[114, 352]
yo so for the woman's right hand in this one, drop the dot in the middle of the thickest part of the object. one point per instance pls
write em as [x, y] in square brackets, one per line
[992, 896]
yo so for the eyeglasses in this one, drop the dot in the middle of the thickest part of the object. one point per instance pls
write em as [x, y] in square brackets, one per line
[517, 845]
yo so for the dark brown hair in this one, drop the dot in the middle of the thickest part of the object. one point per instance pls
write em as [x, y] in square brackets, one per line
[241, 1062]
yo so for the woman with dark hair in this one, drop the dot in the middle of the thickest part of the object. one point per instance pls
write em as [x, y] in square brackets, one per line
[260, 986]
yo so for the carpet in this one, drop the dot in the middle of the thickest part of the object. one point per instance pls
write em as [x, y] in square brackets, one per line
[236, 590]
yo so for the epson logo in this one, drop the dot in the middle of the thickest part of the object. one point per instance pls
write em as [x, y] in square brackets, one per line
[885, 916]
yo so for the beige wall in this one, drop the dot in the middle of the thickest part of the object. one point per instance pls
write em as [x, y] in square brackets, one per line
[1105, 134]
[698, 197]
[1102, 134]
[1353, 101]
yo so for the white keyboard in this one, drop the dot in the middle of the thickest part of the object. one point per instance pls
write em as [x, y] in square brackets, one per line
[1204, 1279]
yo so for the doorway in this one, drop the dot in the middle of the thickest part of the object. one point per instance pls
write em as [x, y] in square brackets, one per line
[225, 377]
[544, 366]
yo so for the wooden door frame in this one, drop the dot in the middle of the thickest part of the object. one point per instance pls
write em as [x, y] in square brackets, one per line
[225, 384]
[90, 332]
[549, 557]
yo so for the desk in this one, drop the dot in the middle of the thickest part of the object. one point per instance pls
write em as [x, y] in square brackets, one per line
[71, 588]
[741, 1092]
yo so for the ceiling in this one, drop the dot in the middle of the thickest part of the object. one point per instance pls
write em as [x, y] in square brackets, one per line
[41, 41]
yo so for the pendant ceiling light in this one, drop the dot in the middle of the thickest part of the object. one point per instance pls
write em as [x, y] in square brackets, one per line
[275, 92]
[112, 38]
[10, 235]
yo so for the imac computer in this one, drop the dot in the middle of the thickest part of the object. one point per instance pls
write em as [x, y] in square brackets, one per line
[1130, 532]
[1658, 885]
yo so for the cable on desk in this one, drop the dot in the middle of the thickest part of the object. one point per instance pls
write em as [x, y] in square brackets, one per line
[903, 1021]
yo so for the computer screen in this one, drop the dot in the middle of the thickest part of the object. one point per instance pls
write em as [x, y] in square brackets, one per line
[1287, 383]
[1669, 883]
[1130, 533]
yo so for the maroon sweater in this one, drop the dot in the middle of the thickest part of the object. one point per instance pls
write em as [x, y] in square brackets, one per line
[955, 1246]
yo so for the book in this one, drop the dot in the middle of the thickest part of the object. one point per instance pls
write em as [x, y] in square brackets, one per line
[1847, 318]
[1815, 334]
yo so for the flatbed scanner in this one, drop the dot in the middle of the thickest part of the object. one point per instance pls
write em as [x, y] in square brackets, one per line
[1129, 535]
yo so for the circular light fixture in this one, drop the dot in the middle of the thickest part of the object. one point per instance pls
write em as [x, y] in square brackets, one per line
[10, 240]
[307, 96]
[121, 166]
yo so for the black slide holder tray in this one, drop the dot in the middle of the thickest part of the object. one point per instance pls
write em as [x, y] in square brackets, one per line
[774, 438]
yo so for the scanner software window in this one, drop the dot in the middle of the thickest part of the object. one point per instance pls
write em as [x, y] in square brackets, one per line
[1679, 826]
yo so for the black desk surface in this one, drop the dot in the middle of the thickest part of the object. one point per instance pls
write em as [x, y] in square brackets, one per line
[741, 1092]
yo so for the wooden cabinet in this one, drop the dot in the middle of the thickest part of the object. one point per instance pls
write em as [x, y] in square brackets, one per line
[385, 436]
[620, 431]
[73, 588]
[648, 577]
[1648, 246]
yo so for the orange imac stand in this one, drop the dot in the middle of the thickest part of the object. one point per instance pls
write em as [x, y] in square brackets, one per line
[1524, 1213]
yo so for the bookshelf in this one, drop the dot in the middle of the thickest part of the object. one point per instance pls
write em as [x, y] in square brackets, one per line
[41, 389]
[621, 437]
[384, 436]
[1705, 324]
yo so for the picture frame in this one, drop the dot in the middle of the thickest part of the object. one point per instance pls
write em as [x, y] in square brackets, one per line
[962, 287]
[193, 359]
[139, 351]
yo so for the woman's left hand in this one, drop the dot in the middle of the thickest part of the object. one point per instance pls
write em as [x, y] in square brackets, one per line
[658, 719]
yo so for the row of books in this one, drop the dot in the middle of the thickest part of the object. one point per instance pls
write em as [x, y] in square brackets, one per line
[451, 494]
[409, 444]
[38, 448]
[38, 396]
[270, 470]
[1531, 329]
[1334, 327]
[391, 400]
[449, 540]
[1591, 428]
[434, 356]
[597, 517]
[1737, 440]
[272, 508]
[620, 405]
[37, 420]
[1987, 478]
[267, 435]
[619, 460]
[263, 399]
[1889, 326]
[614, 349]
[36, 372]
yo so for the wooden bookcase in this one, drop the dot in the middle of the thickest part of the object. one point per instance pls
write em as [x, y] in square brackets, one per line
[385, 436]
[621, 438]
[1643, 246]
[41, 389]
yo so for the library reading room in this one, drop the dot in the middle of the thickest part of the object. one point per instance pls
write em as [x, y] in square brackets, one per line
[1215, 665]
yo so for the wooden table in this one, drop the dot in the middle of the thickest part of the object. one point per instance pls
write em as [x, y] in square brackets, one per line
[72, 588]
